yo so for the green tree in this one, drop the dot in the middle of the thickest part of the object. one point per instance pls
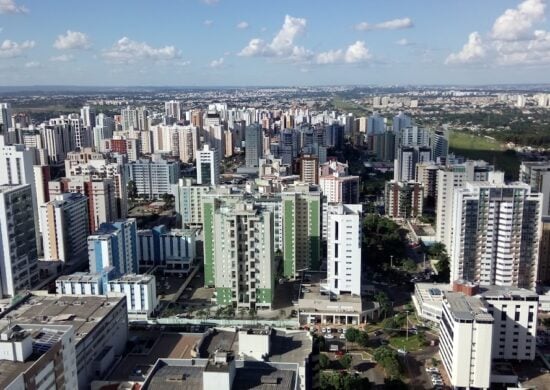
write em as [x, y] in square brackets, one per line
[409, 265]
[324, 361]
[384, 302]
[352, 334]
[443, 270]
[132, 190]
[363, 339]
[387, 358]
[345, 361]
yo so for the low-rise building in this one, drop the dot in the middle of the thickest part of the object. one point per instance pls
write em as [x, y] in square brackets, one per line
[428, 300]
[140, 292]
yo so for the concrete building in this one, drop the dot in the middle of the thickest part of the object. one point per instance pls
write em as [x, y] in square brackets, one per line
[172, 250]
[65, 227]
[140, 292]
[272, 168]
[466, 338]
[18, 252]
[426, 174]
[404, 199]
[543, 273]
[188, 200]
[82, 283]
[339, 187]
[301, 224]
[99, 323]
[407, 157]
[496, 233]
[253, 142]
[37, 356]
[537, 175]
[428, 300]
[153, 178]
[344, 249]
[208, 166]
[448, 179]
[114, 245]
[239, 253]
[309, 169]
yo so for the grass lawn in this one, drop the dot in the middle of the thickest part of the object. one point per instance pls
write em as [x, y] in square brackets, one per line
[482, 148]
[349, 106]
[412, 344]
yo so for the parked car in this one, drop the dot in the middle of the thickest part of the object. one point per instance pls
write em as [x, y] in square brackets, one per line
[342, 336]
[329, 336]
[402, 351]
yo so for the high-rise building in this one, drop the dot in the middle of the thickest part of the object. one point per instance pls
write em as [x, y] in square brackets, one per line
[101, 195]
[153, 177]
[188, 201]
[301, 224]
[400, 121]
[5, 117]
[466, 338]
[495, 233]
[172, 109]
[337, 186]
[537, 175]
[88, 116]
[253, 141]
[404, 199]
[344, 248]
[309, 169]
[239, 254]
[129, 118]
[543, 273]
[57, 141]
[376, 124]
[439, 141]
[114, 245]
[18, 250]
[448, 179]
[406, 160]
[426, 174]
[64, 222]
[208, 166]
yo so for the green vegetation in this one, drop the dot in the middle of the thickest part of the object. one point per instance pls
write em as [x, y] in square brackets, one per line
[382, 239]
[413, 343]
[478, 147]
[348, 106]
[342, 381]
[360, 337]
[387, 358]
[439, 252]
[324, 361]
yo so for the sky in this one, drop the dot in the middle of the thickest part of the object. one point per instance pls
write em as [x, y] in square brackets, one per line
[273, 43]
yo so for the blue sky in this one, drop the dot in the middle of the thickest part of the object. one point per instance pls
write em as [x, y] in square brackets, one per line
[260, 42]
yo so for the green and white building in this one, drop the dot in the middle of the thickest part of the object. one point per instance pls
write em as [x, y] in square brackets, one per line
[301, 219]
[238, 251]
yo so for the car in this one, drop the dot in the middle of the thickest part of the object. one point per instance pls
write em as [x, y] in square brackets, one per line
[324, 330]
[342, 336]
[340, 330]
[344, 331]
[544, 370]
[432, 369]
[189, 289]
[438, 383]
[402, 351]
[329, 336]
[339, 353]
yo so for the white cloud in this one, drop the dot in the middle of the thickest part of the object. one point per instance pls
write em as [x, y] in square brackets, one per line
[11, 49]
[394, 24]
[127, 51]
[472, 51]
[515, 23]
[282, 44]
[355, 53]
[242, 25]
[217, 63]
[208, 22]
[403, 42]
[72, 40]
[32, 64]
[62, 58]
[11, 7]
[210, 2]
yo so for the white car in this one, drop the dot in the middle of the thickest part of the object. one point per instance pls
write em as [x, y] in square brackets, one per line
[324, 330]
[432, 369]
[329, 336]
[342, 336]
[401, 351]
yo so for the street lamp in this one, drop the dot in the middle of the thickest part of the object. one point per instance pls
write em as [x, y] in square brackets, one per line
[391, 261]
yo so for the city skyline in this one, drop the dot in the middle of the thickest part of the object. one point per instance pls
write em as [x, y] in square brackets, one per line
[222, 42]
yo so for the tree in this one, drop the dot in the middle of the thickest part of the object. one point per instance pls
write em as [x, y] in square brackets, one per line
[352, 334]
[363, 339]
[132, 189]
[409, 265]
[443, 269]
[384, 302]
[437, 249]
[387, 358]
[345, 361]
[324, 361]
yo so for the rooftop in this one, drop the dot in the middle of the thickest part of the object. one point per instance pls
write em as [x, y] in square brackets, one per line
[133, 278]
[466, 308]
[82, 277]
[507, 292]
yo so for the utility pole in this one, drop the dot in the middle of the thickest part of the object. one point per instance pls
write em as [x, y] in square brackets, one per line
[391, 261]
[424, 260]
[407, 337]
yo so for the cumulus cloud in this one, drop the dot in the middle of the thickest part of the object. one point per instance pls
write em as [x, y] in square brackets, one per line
[11, 49]
[217, 63]
[11, 7]
[242, 25]
[62, 58]
[515, 23]
[208, 22]
[472, 51]
[513, 39]
[126, 50]
[72, 40]
[355, 53]
[32, 64]
[394, 24]
[282, 45]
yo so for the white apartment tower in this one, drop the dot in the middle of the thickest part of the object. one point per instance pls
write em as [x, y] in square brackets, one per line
[344, 248]
[496, 233]
[208, 166]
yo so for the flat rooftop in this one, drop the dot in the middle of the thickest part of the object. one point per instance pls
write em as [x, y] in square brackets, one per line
[507, 293]
[82, 312]
[264, 377]
[221, 340]
[164, 345]
[432, 292]
[177, 378]
[466, 308]
[83, 277]
[291, 347]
